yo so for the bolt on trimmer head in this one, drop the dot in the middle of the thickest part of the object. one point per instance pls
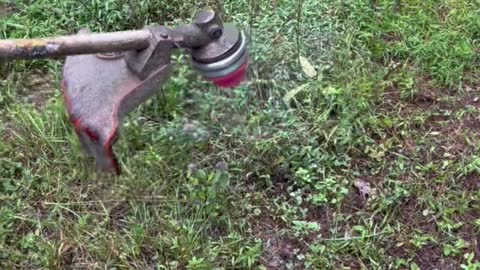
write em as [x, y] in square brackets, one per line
[107, 75]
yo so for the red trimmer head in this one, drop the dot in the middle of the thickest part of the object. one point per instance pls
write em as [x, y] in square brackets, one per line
[233, 79]
[228, 69]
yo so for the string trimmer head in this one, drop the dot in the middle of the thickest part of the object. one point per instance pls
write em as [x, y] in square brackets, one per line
[107, 75]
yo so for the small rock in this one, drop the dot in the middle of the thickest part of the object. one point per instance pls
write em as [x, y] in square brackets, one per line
[31, 98]
[192, 167]
[287, 252]
[221, 166]
[190, 127]
[363, 187]
[274, 263]
[195, 131]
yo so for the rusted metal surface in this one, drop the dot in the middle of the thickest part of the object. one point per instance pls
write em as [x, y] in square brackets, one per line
[74, 45]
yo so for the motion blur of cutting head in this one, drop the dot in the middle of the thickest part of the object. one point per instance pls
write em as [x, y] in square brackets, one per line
[106, 75]
[224, 59]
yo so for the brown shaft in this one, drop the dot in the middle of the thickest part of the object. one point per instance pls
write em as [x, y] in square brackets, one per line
[74, 45]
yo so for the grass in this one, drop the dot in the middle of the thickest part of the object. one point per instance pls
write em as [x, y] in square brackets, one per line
[370, 164]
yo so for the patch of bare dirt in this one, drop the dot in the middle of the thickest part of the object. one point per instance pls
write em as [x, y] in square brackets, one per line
[353, 203]
[397, 249]
[6, 9]
[351, 263]
[472, 124]
[430, 257]
[471, 182]
[37, 88]
[117, 212]
[322, 216]
[447, 133]
[470, 232]
[6, 136]
[440, 125]
[67, 254]
[278, 248]
[472, 96]
[410, 213]
[427, 98]
[441, 129]
[281, 177]
[73, 256]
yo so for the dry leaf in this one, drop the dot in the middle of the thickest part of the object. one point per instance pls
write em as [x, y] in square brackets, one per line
[292, 93]
[307, 68]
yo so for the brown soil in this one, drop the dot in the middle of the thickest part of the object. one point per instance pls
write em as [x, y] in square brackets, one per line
[278, 248]
[353, 203]
[471, 182]
[6, 9]
[6, 137]
[430, 257]
[38, 88]
[322, 216]
[450, 140]
[116, 214]
[411, 214]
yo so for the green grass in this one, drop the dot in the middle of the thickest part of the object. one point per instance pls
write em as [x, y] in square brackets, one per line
[269, 175]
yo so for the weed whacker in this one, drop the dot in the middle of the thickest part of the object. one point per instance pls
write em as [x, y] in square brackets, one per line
[106, 75]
